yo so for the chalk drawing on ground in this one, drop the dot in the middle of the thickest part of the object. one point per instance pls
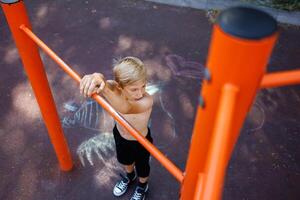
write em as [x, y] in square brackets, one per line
[180, 67]
[89, 115]
[101, 145]
[76, 115]
[257, 117]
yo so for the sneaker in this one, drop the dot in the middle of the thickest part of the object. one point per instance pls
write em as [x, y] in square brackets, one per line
[122, 185]
[140, 193]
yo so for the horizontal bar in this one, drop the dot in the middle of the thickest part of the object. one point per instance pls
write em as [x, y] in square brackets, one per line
[57, 59]
[217, 160]
[278, 79]
[176, 172]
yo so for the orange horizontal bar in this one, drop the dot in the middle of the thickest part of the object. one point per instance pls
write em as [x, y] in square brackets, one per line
[176, 172]
[217, 160]
[53, 55]
[284, 78]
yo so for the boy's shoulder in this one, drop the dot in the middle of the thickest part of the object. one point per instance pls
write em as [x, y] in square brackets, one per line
[112, 84]
[147, 100]
[143, 105]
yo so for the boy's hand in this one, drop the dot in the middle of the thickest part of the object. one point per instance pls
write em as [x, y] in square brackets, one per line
[92, 83]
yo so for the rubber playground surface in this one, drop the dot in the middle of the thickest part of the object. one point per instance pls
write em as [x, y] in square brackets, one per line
[173, 42]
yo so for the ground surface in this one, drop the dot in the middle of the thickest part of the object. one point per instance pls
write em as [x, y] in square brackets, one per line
[174, 43]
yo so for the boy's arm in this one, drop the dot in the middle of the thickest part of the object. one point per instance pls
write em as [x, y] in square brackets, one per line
[142, 105]
[96, 83]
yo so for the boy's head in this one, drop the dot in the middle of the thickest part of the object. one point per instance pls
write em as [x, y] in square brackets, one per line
[129, 70]
[131, 75]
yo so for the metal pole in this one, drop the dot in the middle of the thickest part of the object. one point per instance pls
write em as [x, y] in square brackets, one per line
[216, 164]
[278, 79]
[16, 15]
[241, 44]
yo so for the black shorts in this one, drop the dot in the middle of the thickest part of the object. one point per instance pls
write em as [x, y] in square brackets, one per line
[129, 152]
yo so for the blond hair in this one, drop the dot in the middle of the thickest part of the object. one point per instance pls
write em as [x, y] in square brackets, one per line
[129, 70]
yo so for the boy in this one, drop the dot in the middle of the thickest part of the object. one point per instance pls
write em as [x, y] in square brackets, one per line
[127, 95]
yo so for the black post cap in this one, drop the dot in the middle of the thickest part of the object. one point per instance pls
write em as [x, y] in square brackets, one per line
[9, 1]
[247, 23]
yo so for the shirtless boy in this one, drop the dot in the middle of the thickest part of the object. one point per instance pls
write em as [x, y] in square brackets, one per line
[127, 95]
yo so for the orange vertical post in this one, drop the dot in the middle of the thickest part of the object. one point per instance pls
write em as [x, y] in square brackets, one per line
[16, 15]
[241, 44]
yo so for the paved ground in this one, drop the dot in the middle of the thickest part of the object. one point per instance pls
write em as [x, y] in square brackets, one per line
[173, 42]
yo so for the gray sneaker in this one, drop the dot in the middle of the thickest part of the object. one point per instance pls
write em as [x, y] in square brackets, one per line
[140, 193]
[122, 185]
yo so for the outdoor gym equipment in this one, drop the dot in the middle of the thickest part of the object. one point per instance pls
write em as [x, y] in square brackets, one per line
[241, 44]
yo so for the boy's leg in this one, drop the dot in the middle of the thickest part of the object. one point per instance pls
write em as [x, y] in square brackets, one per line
[129, 168]
[130, 172]
[125, 157]
[142, 160]
[143, 179]
[143, 170]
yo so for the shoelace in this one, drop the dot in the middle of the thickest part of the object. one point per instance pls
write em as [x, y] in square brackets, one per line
[123, 183]
[138, 194]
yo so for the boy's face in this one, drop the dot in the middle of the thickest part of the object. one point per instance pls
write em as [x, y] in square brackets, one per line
[135, 91]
